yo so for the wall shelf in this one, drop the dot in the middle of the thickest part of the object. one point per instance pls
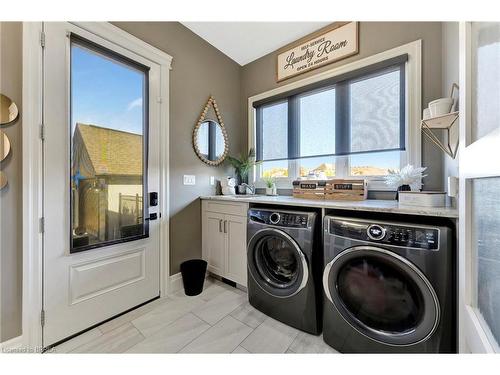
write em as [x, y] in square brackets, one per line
[444, 122]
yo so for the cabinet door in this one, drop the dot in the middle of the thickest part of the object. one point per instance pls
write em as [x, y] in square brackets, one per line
[236, 249]
[213, 242]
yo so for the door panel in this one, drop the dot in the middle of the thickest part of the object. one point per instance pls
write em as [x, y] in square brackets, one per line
[214, 242]
[94, 278]
[84, 288]
[236, 269]
[479, 220]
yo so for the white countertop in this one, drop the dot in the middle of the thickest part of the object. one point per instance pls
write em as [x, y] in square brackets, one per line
[374, 205]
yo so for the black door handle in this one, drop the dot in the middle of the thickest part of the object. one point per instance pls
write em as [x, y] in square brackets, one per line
[152, 216]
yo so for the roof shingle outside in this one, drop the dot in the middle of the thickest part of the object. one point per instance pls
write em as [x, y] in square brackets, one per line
[112, 152]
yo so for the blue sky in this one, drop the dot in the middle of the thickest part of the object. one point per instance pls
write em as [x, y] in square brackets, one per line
[105, 92]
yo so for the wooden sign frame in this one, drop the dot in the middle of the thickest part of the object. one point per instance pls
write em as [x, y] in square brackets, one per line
[304, 42]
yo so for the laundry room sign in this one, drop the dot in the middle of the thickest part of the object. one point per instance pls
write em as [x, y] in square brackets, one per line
[333, 43]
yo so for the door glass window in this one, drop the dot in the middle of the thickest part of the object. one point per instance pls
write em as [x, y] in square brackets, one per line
[486, 246]
[276, 260]
[108, 146]
[485, 78]
[380, 295]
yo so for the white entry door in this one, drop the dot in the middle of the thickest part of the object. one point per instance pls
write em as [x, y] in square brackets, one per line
[479, 204]
[101, 162]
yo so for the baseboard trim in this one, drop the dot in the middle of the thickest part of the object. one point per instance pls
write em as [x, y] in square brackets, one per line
[11, 345]
[175, 282]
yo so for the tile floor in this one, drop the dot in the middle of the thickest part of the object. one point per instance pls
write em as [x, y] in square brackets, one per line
[220, 320]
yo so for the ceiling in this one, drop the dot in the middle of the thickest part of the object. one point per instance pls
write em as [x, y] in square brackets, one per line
[245, 42]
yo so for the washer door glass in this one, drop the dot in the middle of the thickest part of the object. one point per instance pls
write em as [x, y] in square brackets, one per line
[382, 295]
[276, 263]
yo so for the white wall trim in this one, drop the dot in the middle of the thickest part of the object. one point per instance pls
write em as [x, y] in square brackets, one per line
[413, 98]
[32, 185]
[125, 40]
[176, 282]
[33, 168]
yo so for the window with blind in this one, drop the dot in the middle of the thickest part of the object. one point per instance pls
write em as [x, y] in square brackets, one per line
[349, 125]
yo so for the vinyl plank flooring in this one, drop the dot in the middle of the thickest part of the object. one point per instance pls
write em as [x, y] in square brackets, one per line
[128, 317]
[240, 350]
[270, 337]
[215, 290]
[165, 314]
[116, 341]
[77, 341]
[249, 315]
[218, 307]
[223, 337]
[306, 343]
[173, 337]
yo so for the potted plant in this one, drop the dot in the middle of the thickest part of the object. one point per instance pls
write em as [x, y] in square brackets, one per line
[407, 179]
[242, 166]
[270, 185]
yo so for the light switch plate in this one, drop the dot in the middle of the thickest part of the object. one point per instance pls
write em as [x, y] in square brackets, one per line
[212, 180]
[189, 179]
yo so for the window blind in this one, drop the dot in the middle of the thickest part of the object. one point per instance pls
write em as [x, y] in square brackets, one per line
[358, 112]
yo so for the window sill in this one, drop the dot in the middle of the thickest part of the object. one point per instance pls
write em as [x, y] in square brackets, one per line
[374, 184]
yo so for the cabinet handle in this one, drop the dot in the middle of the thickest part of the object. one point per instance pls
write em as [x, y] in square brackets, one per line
[220, 225]
[225, 226]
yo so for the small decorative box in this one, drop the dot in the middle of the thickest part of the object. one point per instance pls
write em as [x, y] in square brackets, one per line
[338, 189]
[422, 198]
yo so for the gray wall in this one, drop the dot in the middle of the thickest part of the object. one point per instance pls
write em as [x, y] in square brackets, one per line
[11, 196]
[259, 75]
[198, 70]
[450, 69]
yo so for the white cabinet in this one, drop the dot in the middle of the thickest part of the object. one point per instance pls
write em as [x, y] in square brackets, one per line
[224, 239]
[214, 242]
[236, 249]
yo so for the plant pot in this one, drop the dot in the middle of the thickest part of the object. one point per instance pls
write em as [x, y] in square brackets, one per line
[242, 189]
[269, 191]
[402, 188]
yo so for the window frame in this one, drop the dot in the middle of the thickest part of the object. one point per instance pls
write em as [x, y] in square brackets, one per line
[412, 136]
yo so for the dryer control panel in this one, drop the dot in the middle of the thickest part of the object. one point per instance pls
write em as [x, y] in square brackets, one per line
[280, 218]
[387, 233]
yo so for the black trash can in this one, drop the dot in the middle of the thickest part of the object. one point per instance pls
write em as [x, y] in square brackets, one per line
[193, 276]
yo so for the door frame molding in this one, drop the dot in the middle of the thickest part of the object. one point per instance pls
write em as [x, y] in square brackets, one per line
[33, 166]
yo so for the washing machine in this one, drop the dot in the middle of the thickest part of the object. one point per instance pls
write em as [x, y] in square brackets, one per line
[284, 264]
[388, 286]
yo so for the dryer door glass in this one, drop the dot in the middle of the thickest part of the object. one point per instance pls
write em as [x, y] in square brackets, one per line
[380, 295]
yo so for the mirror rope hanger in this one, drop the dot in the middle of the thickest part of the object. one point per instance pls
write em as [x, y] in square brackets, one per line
[203, 117]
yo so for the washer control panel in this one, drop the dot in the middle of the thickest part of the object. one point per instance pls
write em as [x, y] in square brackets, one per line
[280, 218]
[387, 233]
